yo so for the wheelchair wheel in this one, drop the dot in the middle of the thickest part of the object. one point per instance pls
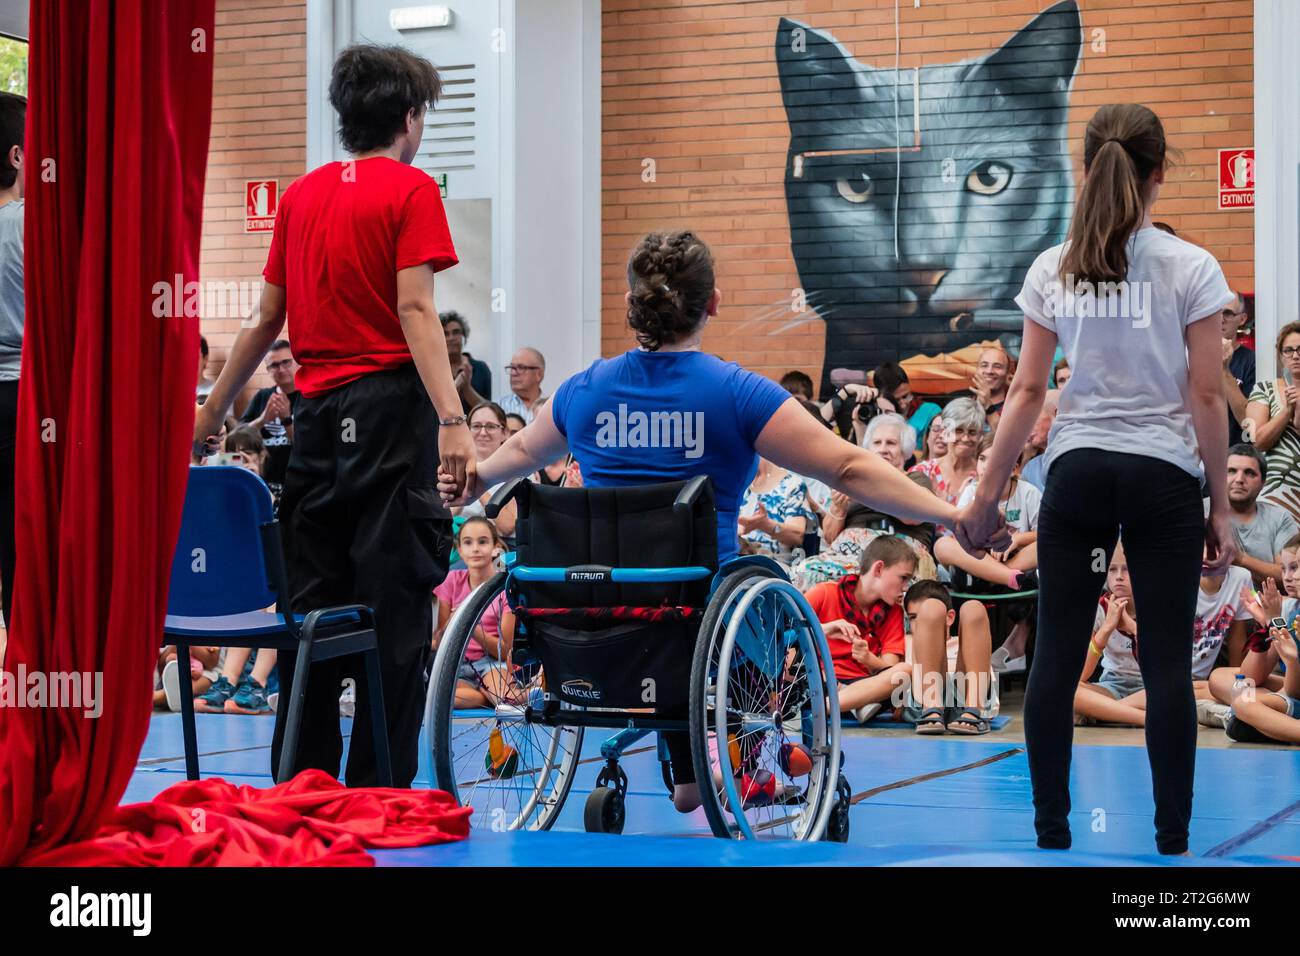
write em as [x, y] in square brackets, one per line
[515, 774]
[765, 732]
[605, 811]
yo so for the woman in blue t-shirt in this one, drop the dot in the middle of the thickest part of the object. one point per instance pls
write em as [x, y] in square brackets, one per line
[667, 411]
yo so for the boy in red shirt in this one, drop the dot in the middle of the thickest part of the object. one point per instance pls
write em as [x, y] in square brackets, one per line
[862, 616]
[352, 262]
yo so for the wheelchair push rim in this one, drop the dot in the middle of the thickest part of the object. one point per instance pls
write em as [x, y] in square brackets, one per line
[766, 667]
[471, 751]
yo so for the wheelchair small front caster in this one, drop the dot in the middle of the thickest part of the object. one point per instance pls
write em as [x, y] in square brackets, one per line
[837, 827]
[604, 812]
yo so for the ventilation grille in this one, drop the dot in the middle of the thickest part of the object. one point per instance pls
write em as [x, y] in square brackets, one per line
[450, 140]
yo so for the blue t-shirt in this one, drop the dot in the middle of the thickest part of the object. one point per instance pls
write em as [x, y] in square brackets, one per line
[647, 417]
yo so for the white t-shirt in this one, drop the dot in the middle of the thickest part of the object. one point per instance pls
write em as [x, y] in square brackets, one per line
[1215, 614]
[1128, 391]
[1020, 509]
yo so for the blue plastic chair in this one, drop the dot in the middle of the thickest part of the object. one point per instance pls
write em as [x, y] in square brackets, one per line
[229, 567]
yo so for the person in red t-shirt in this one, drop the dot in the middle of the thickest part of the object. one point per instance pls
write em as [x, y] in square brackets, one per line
[352, 263]
[862, 616]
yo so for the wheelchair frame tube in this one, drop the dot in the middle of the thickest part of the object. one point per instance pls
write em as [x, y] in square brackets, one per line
[598, 574]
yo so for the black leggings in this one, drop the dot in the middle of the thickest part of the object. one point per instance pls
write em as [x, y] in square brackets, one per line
[1090, 495]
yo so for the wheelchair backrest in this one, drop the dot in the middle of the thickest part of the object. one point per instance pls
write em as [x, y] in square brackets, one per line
[629, 527]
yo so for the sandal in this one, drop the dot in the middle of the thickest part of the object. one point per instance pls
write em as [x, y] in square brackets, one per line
[968, 722]
[931, 722]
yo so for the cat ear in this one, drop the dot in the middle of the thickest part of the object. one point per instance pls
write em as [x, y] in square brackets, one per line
[1041, 58]
[809, 61]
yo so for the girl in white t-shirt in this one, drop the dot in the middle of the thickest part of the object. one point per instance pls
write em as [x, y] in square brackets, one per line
[1018, 503]
[1119, 697]
[1142, 424]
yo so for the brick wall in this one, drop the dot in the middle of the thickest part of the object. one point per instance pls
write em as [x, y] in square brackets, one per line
[259, 131]
[693, 85]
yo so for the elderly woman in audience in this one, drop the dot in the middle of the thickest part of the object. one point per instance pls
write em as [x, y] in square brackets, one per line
[1273, 422]
[774, 512]
[849, 527]
[963, 426]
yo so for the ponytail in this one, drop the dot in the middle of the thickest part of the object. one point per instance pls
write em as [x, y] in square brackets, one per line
[1123, 146]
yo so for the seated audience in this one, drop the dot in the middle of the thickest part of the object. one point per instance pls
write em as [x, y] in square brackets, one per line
[798, 384]
[963, 422]
[240, 689]
[487, 425]
[896, 396]
[1261, 528]
[1019, 503]
[244, 448]
[527, 368]
[204, 386]
[848, 527]
[774, 513]
[473, 378]
[1273, 422]
[514, 424]
[956, 701]
[1261, 658]
[932, 443]
[1034, 455]
[991, 381]
[484, 676]
[271, 409]
[1238, 368]
[862, 617]
[1119, 697]
[167, 677]
[1061, 373]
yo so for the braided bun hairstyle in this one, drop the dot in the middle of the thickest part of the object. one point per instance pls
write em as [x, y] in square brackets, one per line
[670, 275]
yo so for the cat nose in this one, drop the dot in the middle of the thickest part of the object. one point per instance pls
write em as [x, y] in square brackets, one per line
[916, 286]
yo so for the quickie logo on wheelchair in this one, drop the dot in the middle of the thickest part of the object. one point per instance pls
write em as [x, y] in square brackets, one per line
[580, 689]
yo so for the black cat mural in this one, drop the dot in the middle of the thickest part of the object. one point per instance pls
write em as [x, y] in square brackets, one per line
[921, 249]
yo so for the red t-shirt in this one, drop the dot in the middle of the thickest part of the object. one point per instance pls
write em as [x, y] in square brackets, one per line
[881, 625]
[342, 232]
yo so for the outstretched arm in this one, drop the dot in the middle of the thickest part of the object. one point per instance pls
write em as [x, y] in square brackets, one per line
[534, 446]
[793, 440]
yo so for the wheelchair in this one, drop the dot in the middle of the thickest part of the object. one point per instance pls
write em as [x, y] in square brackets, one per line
[624, 621]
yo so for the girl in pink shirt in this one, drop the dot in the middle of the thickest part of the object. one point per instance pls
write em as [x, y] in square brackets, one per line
[484, 676]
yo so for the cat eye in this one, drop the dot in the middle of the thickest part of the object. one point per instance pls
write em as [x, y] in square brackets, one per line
[989, 178]
[855, 187]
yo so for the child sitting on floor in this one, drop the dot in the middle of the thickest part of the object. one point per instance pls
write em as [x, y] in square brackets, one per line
[1013, 568]
[1119, 697]
[862, 617]
[1264, 652]
[954, 701]
[203, 671]
[483, 679]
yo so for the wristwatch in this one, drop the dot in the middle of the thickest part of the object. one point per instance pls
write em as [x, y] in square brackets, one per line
[1279, 623]
[454, 420]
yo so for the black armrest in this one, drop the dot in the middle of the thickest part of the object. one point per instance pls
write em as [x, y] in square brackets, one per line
[340, 614]
[690, 494]
[503, 496]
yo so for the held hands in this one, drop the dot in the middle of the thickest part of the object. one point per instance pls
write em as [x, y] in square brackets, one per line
[458, 481]
[981, 527]
[206, 430]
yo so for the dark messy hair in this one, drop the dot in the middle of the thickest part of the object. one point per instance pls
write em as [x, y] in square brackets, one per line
[925, 589]
[373, 88]
[13, 117]
[670, 275]
[450, 316]
[246, 438]
[798, 383]
[888, 377]
[1245, 450]
[1122, 146]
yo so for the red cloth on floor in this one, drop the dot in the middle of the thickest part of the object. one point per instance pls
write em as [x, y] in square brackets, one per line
[313, 820]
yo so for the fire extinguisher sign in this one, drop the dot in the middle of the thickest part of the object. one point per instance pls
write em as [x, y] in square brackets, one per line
[261, 198]
[1237, 178]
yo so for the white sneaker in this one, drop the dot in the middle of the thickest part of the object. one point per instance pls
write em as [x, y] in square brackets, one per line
[864, 713]
[1210, 713]
[171, 681]
[348, 702]
[273, 700]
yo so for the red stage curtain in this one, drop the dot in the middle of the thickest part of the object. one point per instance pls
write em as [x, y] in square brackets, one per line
[120, 95]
